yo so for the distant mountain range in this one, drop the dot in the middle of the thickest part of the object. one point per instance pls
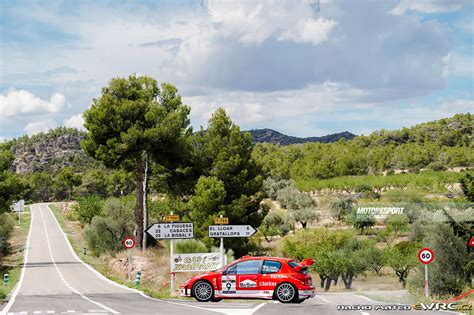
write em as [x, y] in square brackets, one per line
[273, 136]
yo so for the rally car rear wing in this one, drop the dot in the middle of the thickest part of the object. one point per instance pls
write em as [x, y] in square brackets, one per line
[305, 264]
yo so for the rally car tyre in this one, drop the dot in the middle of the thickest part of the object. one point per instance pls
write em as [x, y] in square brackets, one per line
[299, 301]
[286, 293]
[216, 299]
[203, 291]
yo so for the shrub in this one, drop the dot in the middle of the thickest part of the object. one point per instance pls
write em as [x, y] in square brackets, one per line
[448, 272]
[6, 228]
[362, 221]
[106, 233]
[87, 208]
[190, 246]
[402, 258]
[274, 224]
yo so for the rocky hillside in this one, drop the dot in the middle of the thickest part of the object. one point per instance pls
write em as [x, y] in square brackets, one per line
[49, 152]
[273, 136]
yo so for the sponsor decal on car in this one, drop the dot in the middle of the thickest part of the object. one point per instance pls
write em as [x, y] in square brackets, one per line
[267, 283]
[278, 276]
[247, 283]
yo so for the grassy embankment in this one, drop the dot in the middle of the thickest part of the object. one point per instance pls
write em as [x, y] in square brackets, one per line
[13, 262]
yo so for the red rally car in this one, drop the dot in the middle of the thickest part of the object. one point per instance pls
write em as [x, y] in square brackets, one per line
[254, 277]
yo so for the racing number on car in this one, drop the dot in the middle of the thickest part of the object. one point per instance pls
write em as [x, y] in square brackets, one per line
[228, 285]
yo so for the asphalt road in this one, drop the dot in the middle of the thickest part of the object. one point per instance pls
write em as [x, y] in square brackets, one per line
[56, 281]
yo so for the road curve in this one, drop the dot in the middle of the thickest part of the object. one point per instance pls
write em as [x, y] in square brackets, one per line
[54, 280]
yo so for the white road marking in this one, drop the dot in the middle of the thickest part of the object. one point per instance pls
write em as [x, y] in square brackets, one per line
[259, 306]
[365, 313]
[37, 312]
[323, 299]
[101, 276]
[22, 275]
[59, 272]
[50, 312]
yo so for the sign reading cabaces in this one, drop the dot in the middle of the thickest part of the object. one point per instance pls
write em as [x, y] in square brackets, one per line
[195, 262]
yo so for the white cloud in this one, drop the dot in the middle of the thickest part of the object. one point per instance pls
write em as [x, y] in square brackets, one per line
[23, 102]
[428, 6]
[40, 126]
[309, 31]
[75, 121]
[253, 23]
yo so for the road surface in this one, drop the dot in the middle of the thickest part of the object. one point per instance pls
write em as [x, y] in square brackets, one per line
[56, 281]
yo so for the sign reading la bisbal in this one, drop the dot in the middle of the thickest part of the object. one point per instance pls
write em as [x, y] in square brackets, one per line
[195, 262]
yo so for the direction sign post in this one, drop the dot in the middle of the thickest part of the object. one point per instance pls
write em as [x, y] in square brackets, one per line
[128, 244]
[171, 230]
[221, 220]
[426, 256]
[216, 231]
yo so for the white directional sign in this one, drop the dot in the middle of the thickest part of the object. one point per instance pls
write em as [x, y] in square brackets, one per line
[231, 231]
[171, 230]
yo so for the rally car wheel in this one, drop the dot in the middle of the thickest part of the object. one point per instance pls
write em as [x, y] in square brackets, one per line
[203, 291]
[286, 293]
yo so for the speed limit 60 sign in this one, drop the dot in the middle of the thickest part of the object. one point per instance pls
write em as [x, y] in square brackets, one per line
[128, 243]
[426, 255]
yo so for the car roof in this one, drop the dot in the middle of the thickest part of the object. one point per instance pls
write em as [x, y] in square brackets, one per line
[265, 258]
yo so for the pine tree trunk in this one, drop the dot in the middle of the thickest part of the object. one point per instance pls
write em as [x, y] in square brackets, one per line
[139, 202]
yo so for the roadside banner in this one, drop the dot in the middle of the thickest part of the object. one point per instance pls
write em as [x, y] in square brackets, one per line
[195, 262]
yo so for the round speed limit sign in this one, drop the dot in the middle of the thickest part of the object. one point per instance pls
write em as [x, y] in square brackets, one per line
[128, 243]
[426, 255]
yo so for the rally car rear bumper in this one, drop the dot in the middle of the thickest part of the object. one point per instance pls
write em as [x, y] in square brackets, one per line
[306, 293]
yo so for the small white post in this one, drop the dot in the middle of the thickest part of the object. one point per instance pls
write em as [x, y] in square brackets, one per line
[171, 264]
[221, 249]
[129, 265]
[426, 288]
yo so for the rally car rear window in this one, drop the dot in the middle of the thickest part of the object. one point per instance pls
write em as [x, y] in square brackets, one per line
[271, 266]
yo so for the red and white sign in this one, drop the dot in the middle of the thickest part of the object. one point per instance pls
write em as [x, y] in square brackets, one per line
[471, 242]
[426, 255]
[129, 243]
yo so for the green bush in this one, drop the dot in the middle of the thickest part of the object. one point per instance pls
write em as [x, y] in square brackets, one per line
[190, 246]
[6, 228]
[87, 208]
[448, 272]
[105, 233]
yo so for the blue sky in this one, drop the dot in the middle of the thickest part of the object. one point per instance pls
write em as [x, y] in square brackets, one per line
[305, 68]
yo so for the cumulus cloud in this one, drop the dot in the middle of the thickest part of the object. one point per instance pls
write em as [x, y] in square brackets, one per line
[284, 45]
[75, 121]
[40, 126]
[428, 6]
[23, 102]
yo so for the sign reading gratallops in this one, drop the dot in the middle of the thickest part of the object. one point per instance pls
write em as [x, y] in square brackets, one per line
[195, 262]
